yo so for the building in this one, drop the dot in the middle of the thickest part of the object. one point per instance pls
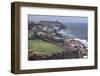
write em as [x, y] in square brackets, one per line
[44, 28]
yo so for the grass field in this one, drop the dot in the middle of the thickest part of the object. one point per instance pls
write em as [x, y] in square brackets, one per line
[43, 47]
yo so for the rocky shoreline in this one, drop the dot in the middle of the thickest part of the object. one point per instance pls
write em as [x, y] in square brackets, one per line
[70, 52]
[52, 32]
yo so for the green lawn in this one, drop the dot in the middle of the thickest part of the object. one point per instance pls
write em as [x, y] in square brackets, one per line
[43, 47]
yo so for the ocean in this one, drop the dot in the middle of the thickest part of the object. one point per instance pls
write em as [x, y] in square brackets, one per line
[77, 30]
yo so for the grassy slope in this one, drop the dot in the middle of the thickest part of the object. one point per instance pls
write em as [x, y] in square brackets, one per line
[43, 47]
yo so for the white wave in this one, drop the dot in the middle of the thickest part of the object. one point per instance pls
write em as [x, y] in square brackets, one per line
[83, 41]
[65, 32]
[68, 33]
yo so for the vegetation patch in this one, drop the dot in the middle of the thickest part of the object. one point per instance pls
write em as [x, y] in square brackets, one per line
[43, 47]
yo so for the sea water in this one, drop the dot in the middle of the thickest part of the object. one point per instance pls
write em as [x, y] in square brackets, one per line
[78, 30]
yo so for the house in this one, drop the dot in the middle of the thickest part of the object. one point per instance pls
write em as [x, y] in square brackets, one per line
[74, 43]
[30, 34]
[51, 26]
[44, 27]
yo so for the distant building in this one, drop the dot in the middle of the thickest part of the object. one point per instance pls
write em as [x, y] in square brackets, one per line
[45, 27]
[51, 26]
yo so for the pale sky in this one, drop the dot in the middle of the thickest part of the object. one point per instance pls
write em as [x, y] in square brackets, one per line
[64, 19]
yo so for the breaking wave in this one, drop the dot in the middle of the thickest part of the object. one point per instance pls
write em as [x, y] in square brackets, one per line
[67, 32]
[83, 41]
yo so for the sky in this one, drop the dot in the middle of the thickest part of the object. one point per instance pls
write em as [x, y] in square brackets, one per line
[63, 19]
